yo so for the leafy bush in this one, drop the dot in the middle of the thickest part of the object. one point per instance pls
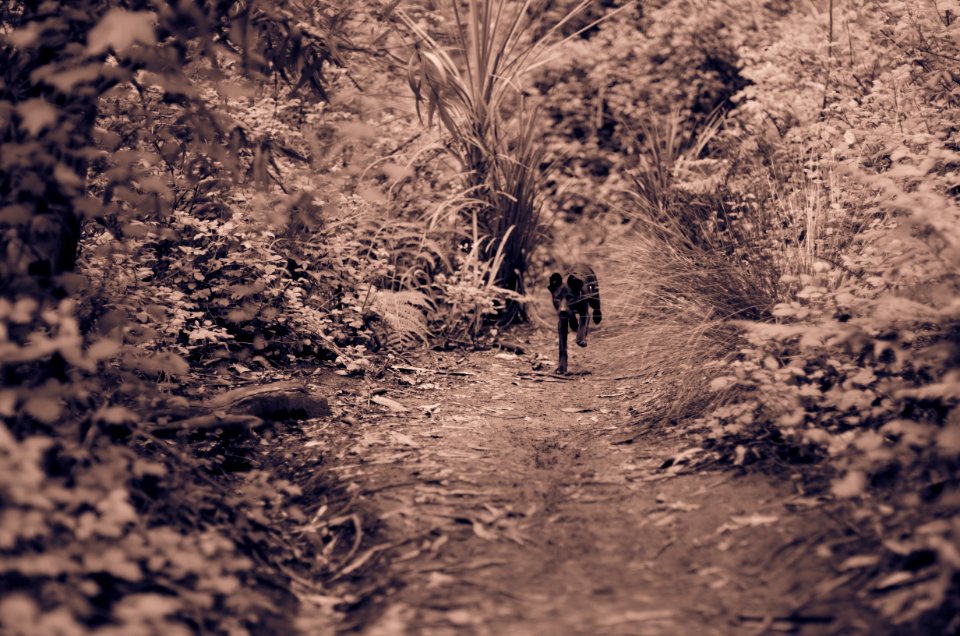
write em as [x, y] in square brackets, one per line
[857, 367]
[98, 535]
[642, 64]
[104, 526]
[818, 219]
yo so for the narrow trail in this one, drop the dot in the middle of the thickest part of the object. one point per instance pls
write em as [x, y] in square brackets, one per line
[511, 502]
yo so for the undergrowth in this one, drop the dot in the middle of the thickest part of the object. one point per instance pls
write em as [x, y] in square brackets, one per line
[477, 91]
[828, 241]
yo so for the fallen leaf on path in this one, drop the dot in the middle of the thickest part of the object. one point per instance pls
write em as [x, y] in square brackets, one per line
[859, 561]
[634, 616]
[665, 521]
[506, 356]
[481, 564]
[360, 560]
[723, 382]
[483, 533]
[462, 617]
[894, 580]
[403, 438]
[740, 453]
[491, 514]
[393, 405]
[756, 519]
[850, 485]
[576, 409]
[682, 457]
[805, 502]
[824, 588]
[439, 579]
[430, 409]
[681, 506]
[406, 556]
[898, 547]
[749, 521]
[398, 367]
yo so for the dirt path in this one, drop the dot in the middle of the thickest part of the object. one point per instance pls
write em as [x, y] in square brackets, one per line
[511, 502]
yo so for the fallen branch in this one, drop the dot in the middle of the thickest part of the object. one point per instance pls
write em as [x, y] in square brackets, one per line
[273, 401]
[540, 376]
[409, 369]
[370, 491]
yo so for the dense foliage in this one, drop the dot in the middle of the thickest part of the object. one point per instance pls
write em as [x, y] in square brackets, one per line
[861, 365]
[110, 127]
[819, 219]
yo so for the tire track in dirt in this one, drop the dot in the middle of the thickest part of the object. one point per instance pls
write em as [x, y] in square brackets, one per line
[505, 505]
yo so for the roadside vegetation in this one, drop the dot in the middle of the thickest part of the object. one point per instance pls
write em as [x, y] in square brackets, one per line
[195, 194]
[800, 244]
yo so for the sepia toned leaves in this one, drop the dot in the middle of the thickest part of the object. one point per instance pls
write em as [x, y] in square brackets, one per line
[36, 115]
[119, 29]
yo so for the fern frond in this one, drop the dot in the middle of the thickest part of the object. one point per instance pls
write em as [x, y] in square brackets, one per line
[404, 312]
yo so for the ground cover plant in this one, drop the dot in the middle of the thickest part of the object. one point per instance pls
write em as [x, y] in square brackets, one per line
[827, 240]
[110, 127]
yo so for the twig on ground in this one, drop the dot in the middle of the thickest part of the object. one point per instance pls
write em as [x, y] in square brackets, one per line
[540, 376]
[663, 549]
[511, 346]
[370, 491]
[361, 560]
[845, 523]
[409, 369]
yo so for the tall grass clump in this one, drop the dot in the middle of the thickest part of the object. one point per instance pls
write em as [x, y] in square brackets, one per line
[492, 131]
[689, 239]
[715, 244]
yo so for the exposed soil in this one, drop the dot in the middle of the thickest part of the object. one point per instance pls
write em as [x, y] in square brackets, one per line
[511, 501]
